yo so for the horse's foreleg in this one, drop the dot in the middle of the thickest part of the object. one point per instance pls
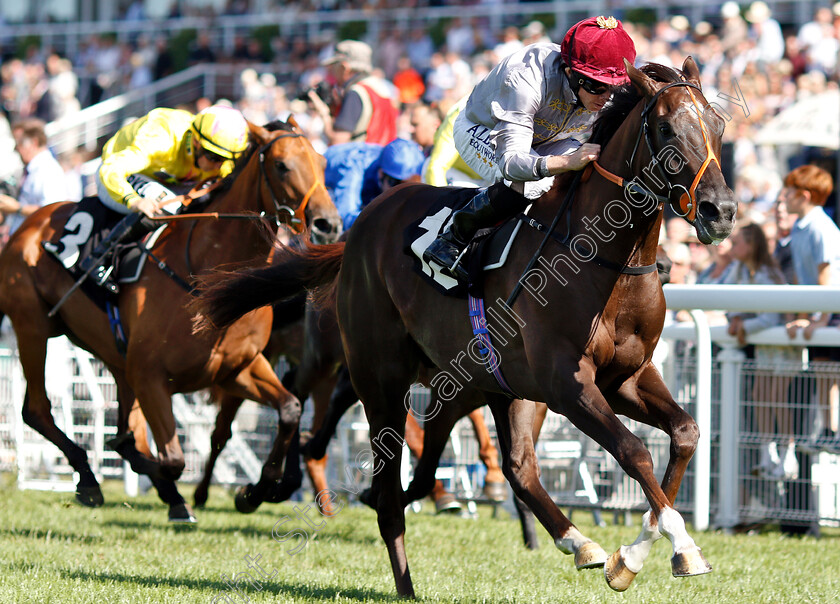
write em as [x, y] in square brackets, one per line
[591, 414]
[494, 481]
[37, 414]
[316, 468]
[342, 398]
[427, 446]
[514, 428]
[228, 406]
[258, 382]
[526, 516]
[646, 399]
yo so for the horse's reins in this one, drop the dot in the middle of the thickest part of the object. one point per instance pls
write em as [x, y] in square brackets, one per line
[687, 200]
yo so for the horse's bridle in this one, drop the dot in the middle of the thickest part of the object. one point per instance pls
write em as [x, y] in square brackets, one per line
[683, 200]
[294, 218]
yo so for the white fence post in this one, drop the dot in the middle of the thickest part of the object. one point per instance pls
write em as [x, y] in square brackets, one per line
[731, 364]
[703, 416]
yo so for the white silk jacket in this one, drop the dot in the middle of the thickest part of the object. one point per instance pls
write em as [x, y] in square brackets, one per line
[526, 102]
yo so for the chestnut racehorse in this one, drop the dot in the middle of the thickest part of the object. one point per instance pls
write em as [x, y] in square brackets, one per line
[280, 176]
[584, 328]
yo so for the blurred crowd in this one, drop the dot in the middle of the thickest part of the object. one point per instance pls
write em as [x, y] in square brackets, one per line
[744, 54]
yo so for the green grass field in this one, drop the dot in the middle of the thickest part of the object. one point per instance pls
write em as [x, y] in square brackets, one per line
[53, 550]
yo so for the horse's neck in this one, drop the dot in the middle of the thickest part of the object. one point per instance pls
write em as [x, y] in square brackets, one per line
[602, 207]
[233, 240]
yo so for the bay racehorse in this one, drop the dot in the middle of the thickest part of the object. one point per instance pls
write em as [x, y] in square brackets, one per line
[584, 327]
[280, 176]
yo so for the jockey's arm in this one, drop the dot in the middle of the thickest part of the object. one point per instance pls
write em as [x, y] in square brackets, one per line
[519, 164]
[116, 169]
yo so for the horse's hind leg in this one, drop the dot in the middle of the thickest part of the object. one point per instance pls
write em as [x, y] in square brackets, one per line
[648, 400]
[383, 369]
[37, 413]
[514, 427]
[228, 406]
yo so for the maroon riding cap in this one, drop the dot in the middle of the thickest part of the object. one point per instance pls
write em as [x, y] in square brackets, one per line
[597, 47]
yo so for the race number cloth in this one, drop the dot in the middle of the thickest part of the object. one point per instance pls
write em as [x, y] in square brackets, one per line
[89, 224]
[488, 250]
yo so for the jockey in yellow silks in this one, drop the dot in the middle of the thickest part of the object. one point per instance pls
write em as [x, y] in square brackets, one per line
[158, 156]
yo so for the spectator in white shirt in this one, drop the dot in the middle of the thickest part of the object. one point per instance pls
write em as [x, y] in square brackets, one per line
[43, 181]
[767, 33]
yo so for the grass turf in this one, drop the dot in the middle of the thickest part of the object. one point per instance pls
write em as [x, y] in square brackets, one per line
[54, 551]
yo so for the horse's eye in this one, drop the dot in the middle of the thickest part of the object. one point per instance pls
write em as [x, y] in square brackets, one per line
[281, 167]
[665, 129]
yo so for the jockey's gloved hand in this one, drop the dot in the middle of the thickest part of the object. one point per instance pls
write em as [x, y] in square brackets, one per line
[146, 205]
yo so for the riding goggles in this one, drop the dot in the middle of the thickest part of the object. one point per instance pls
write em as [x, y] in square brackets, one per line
[214, 158]
[589, 85]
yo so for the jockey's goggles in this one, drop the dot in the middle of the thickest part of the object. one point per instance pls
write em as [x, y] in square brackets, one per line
[213, 158]
[589, 85]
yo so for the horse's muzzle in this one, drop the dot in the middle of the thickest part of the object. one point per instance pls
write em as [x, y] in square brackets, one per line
[715, 220]
[324, 230]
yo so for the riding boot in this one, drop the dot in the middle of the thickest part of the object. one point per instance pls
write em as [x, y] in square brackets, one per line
[129, 229]
[487, 208]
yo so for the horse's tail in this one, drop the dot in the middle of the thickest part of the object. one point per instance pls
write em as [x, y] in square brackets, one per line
[292, 272]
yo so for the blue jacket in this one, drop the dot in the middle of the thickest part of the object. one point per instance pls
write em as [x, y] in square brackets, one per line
[352, 177]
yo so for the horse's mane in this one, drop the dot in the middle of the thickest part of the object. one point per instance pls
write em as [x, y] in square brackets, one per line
[625, 98]
[243, 159]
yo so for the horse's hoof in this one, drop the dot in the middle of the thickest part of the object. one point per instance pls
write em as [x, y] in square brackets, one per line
[241, 501]
[90, 497]
[200, 497]
[182, 512]
[689, 564]
[590, 555]
[618, 576]
[495, 491]
[447, 503]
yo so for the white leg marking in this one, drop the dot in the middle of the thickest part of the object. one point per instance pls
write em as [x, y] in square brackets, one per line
[634, 555]
[673, 526]
[571, 541]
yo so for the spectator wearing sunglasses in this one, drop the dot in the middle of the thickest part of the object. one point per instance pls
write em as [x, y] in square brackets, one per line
[149, 162]
[356, 173]
[528, 120]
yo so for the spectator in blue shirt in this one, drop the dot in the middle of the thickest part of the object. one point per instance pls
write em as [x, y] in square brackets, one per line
[356, 173]
[43, 182]
[815, 251]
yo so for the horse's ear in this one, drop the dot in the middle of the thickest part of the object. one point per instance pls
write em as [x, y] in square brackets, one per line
[293, 122]
[644, 84]
[258, 132]
[691, 71]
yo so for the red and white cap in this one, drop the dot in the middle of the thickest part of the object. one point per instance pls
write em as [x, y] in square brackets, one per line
[596, 47]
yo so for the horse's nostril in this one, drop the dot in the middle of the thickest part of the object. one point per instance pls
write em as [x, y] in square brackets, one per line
[708, 211]
[323, 225]
[723, 211]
